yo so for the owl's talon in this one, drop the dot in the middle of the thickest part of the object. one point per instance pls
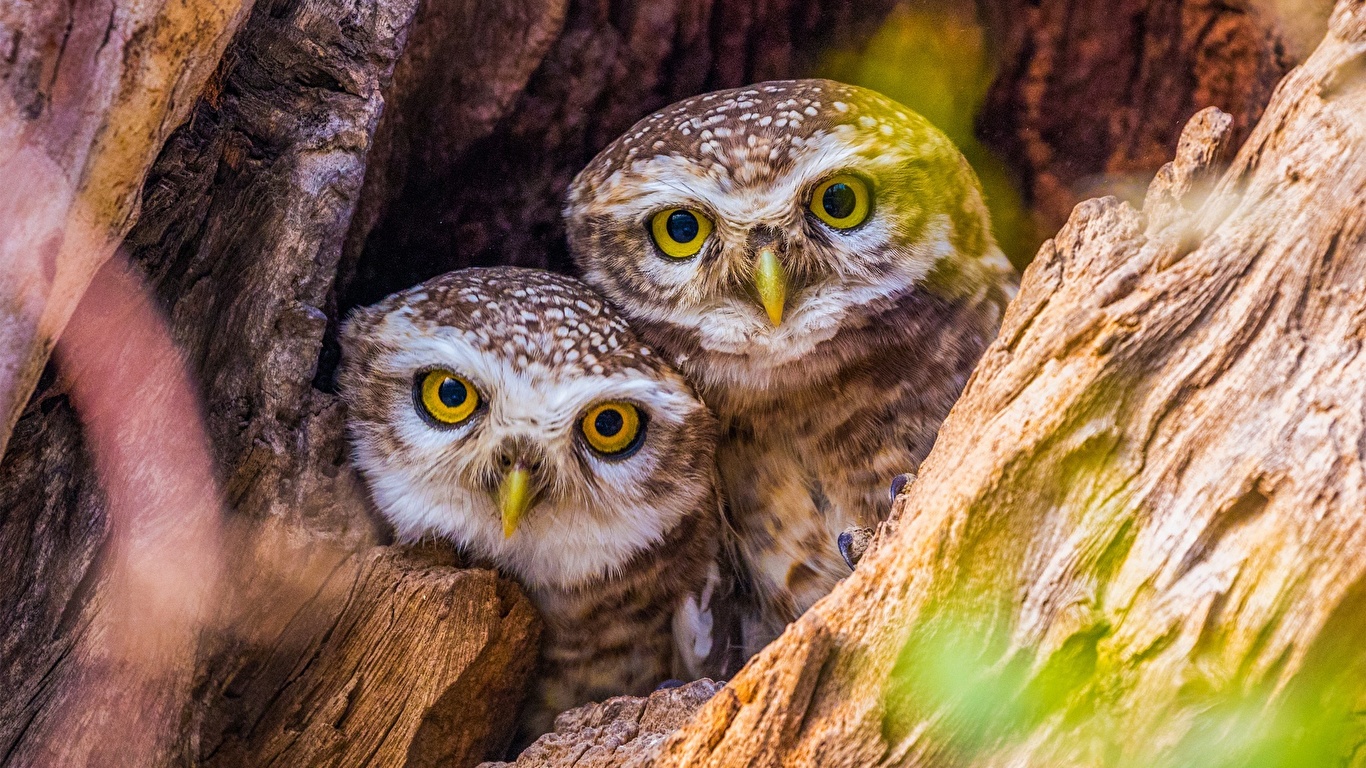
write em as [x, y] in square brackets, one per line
[900, 483]
[853, 542]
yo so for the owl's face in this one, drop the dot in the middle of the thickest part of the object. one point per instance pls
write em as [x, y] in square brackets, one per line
[754, 224]
[514, 413]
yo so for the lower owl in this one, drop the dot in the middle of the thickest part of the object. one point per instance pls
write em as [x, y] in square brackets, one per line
[512, 412]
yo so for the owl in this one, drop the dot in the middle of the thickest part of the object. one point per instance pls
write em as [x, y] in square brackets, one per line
[818, 261]
[514, 413]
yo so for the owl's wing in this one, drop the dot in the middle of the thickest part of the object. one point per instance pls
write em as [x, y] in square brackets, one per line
[709, 624]
[707, 629]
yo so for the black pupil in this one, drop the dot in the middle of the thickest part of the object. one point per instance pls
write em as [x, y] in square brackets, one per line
[839, 201]
[609, 423]
[452, 393]
[682, 226]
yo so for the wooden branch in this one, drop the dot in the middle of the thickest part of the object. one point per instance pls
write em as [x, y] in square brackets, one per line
[1138, 538]
[625, 731]
[397, 659]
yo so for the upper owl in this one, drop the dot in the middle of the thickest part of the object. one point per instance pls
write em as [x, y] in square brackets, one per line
[512, 411]
[751, 225]
[818, 261]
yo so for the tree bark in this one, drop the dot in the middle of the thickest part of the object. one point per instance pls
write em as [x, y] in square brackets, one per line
[1091, 97]
[1137, 539]
[91, 94]
[333, 152]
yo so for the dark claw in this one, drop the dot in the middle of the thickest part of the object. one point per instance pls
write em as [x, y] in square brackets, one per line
[667, 684]
[899, 484]
[853, 542]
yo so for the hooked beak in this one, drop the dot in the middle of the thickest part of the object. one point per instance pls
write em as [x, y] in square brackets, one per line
[515, 496]
[771, 282]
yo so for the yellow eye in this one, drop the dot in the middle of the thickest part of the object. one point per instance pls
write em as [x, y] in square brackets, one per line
[680, 232]
[613, 429]
[445, 397]
[841, 201]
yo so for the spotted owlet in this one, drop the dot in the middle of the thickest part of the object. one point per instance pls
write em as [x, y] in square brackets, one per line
[818, 261]
[512, 412]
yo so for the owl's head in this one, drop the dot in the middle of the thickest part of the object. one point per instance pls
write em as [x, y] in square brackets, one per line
[753, 224]
[513, 412]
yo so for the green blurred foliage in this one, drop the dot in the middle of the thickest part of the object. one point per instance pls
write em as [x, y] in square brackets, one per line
[934, 59]
[978, 697]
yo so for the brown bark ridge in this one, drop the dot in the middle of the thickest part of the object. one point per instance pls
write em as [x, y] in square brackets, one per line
[1136, 541]
[412, 669]
[625, 731]
[90, 93]
[1091, 97]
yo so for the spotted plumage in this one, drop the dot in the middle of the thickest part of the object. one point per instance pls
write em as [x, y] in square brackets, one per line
[818, 261]
[514, 413]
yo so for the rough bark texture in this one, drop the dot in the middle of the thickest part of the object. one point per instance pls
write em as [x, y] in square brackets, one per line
[242, 224]
[341, 150]
[406, 666]
[1137, 539]
[241, 233]
[90, 93]
[624, 731]
[1091, 97]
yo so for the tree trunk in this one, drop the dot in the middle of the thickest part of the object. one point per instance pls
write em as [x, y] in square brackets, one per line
[1136, 540]
[1094, 95]
[337, 150]
[91, 94]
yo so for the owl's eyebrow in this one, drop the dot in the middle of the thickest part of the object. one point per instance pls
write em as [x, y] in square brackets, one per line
[682, 190]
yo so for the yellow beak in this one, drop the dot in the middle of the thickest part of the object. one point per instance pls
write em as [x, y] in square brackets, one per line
[771, 282]
[514, 497]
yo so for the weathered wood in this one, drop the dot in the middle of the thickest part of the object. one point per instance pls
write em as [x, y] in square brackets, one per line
[409, 661]
[1137, 540]
[256, 234]
[91, 92]
[1091, 97]
[243, 219]
[624, 731]
[242, 223]
[96, 671]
